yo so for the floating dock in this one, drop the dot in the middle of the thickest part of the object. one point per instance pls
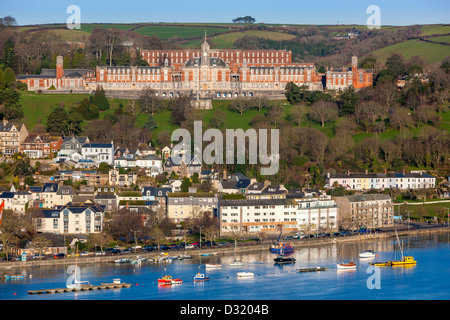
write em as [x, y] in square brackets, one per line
[82, 288]
[312, 269]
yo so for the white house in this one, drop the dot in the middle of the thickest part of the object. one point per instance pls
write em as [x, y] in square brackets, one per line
[99, 152]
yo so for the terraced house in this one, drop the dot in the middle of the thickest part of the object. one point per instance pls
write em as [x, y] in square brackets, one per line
[367, 181]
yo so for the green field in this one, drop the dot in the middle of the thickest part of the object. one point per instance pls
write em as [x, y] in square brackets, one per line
[37, 107]
[431, 52]
[428, 30]
[227, 40]
[183, 32]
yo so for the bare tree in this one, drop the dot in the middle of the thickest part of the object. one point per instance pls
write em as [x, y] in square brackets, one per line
[149, 101]
[323, 112]
[240, 105]
[113, 40]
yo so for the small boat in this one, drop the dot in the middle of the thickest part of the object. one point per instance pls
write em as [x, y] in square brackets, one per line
[213, 265]
[184, 256]
[367, 254]
[282, 247]
[165, 280]
[346, 265]
[281, 259]
[201, 277]
[14, 276]
[122, 261]
[404, 262]
[245, 274]
[312, 269]
[177, 281]
[236, 264]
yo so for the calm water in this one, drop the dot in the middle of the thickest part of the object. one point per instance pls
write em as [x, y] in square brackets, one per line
[428, 280]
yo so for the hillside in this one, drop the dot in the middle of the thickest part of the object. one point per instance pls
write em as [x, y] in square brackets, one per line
[224, 36]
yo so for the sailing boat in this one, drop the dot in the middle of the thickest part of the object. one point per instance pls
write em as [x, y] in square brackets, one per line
[235, 262]
[346, 265]
[404, 261]
[76, 283]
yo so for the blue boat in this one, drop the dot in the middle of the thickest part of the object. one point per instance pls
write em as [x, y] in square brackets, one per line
[201, 277]
[13, 277]
[281, 247]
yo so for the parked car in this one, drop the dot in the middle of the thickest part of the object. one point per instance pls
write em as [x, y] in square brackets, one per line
[84, 253]
[59, 256]
[99, 253]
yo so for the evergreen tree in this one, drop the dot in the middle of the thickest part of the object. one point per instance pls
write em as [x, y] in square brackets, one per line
[2, 80]
[9, 76]
[57, 120]
[348, 100]
[9, 55]
[100, 100]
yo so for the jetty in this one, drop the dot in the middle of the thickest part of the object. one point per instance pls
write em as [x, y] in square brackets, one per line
[103, 286]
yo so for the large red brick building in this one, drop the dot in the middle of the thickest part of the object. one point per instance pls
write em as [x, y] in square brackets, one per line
[339, 79]
[212, 73]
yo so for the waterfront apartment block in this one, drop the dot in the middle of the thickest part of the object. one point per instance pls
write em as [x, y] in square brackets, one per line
[182, 206]
[317, 214]
[365, 211]
[367, 181]
[72, 218]
[257, 215]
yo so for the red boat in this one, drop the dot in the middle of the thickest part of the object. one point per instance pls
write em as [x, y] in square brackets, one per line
[167, 281]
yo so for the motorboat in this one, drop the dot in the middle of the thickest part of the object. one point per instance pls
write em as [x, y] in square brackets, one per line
[347, 265]
[165, 280]
[245, 274]
[281, 259]
[213, 265]
[14, 276]
[201, 277]
[367, 254]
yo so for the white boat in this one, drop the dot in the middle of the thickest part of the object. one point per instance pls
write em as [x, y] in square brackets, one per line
[367, 254]
[213, 265]
[245, 274]
[236, 264]
[346, 265]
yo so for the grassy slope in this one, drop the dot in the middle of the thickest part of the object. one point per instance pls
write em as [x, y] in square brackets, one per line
[431, 52]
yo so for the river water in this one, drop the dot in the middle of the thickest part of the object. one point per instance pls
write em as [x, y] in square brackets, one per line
[428, 280]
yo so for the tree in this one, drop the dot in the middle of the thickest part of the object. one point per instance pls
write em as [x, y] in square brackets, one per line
[185, 185]
[113, 39]
[323, 112]
[348, 101]
[9, 76]
[2, 80]
[99, 99]
[149, 102]
[239, 105]
[100, 240]
[40, 243]
[57, 120]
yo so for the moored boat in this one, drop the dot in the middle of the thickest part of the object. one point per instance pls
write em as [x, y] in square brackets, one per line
[282, 247]
[165, 280]
[346, 265]
[236, 264]
[367, 254]
[245, 274]
[14, 276]
[281, 259]
[213, 265]
[201, 277]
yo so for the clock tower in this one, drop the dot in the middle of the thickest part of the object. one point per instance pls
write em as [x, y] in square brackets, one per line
[205, 52]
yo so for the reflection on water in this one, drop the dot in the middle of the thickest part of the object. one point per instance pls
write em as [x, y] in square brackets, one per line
[271, 281]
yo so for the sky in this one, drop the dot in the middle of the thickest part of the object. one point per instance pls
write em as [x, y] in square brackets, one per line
[392, 12]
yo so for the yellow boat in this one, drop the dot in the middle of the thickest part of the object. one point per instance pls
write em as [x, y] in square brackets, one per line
[404, 262]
